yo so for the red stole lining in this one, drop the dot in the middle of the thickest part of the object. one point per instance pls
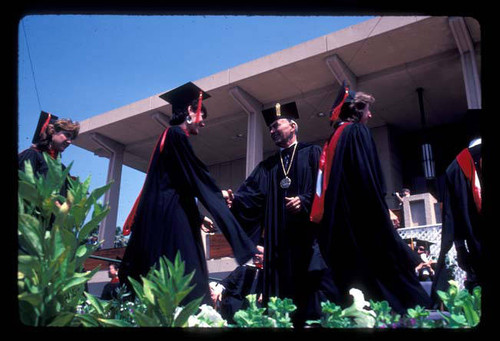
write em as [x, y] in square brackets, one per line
[325, 167]
[466, 163]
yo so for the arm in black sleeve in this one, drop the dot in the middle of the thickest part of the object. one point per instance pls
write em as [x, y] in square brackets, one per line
[194, 174]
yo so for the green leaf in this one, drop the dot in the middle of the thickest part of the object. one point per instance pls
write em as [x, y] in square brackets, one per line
[34, 299]
[31, 233]
[148, 287]
[91, 225]
[88, 320]
[145, 321]
[28, 192]
[62, 319]
[28, 174]
[458, 320]
[166, 305]
[137, 287]
[95, 303]
[74, 282]
[97, 193]
[114, 323]
[83, 252]
[187, 311]
[57, 246]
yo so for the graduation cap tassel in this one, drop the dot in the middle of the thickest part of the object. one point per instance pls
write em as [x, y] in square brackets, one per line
[45, 124]
[336, 109]
[198, 109]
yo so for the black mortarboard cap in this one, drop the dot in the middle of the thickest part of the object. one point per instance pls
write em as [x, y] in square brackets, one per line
[43, 121]
[345, 95]
[419, 242]
[288, 110]
[183, 96]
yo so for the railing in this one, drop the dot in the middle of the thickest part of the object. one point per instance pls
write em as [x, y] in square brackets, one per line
[432, 234]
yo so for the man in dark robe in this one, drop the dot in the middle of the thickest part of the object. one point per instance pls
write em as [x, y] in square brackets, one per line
[165, 218]
[275, 201]
[462, 218]
[242, 281]
[357, 238]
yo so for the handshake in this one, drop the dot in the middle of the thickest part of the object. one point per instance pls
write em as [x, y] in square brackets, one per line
[228, 195]
[292, 204]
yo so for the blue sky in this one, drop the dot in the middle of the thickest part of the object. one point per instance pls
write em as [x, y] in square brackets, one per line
[85, 65]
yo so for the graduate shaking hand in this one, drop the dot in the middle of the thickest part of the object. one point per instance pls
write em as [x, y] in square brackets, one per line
[293, 204]
[207, 225]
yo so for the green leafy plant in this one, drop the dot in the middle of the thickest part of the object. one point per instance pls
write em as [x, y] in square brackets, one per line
[464, 308]
[52, 234]
[117, 312]
[253, 316]
[332, 317]
[161, 292]
[280, 310]
[355, 316]
[384, 316]
[418, 318]
[207, 317]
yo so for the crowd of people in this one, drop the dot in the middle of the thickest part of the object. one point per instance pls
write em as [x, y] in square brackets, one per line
[297, 215]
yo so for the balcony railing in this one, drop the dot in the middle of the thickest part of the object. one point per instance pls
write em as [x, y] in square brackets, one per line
[432, 234]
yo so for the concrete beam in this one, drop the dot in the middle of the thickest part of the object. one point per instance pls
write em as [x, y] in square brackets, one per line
[340, 71]
[112, 196]
[254, 128]
[465, 46]
[161, 119]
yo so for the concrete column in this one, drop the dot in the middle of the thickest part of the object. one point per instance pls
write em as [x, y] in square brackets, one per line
[254, 131]
[112, 196]
[468, 57]
[341, 72]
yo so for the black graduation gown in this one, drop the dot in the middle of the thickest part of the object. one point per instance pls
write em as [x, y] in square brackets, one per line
[110, 291]
[462, 226]
[167, 219]
[242, 281]
[40, 167]
[35, 157]
[357, 237]
[289, 239]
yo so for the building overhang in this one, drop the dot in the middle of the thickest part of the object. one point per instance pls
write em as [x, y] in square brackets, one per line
[389, 57]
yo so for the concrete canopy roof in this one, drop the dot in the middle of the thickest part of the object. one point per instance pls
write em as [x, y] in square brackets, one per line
[390, 57]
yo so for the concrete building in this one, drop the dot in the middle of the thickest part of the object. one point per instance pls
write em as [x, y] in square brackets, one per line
[389, 57]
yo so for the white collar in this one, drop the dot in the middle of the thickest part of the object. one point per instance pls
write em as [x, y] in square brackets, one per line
[281, 149]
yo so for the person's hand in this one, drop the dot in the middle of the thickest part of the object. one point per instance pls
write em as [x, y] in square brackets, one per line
[207, 225]
[396, 223]
[215, 293]
[293, 204]
[228, 196]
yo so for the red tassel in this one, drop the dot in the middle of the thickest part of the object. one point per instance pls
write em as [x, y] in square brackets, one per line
[198, 110]
[336, 111]
[45, 124]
